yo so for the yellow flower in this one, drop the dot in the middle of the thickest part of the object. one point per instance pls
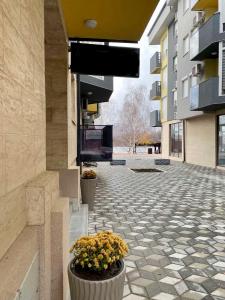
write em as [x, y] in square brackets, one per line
[85, 255]
[105, 266]
[100, 256]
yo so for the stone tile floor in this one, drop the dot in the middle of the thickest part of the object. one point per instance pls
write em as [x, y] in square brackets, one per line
[174, 224]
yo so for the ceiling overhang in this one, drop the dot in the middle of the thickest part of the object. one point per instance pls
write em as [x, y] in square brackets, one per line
[204, 4]
[117, 20]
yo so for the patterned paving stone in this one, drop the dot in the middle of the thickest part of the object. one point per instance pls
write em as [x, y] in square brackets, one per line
[174, 224]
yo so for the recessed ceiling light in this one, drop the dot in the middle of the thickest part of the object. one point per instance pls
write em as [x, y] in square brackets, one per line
[90, 93]
[91, 23]
[214, 53]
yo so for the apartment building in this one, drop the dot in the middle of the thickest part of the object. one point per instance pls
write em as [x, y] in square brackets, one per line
[191, 69]
[40, 119]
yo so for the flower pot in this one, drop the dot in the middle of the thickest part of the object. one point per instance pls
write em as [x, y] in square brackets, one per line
[109, 289]
[88, 187]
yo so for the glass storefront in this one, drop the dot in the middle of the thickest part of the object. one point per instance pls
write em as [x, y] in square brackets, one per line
[176, 137]
[221, 140]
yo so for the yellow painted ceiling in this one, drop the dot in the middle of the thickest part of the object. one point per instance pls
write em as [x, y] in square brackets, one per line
[117, 20]
[205, 4]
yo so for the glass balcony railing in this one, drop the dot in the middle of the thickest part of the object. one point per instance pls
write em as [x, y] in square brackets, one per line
[204, 43]
[155, 93]
[155, 63]
[205, 96]
[155, 118]
[194, 98]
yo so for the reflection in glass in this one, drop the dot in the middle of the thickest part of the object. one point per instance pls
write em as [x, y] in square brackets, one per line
[176, 137]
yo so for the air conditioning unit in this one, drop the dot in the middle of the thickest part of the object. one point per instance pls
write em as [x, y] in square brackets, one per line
[196, 70]
[198, 19]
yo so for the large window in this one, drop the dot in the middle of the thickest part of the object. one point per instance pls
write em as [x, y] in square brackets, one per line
[175, 103]
[176, 137]
[221, 140]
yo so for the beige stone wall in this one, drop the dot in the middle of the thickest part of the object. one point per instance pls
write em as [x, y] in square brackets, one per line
[29, 194]
[60, 93]
[72, 119]
[201, 140]
[22, 109]
[56, 66]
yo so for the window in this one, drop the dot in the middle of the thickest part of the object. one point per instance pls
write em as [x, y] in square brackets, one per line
[185, 88]
[176, 137]
[164, 77]
[186, 5]
[175, 103]
[221, 140]
[175, 64]
[165, 47]
[186, 45]
[193, 80]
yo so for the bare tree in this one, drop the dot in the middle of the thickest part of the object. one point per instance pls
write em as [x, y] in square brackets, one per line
[133, 117]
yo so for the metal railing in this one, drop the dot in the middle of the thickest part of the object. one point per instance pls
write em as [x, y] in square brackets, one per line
[155, 63]
[96, 143]
[155, 92]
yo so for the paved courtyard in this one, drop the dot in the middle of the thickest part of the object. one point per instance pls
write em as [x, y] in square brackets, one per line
[174, 224]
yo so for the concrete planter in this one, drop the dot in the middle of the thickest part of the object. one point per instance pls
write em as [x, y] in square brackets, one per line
[110, 289]
[88, 187]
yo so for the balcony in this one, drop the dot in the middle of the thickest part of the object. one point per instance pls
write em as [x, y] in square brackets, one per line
[155, 118]
[155, 93]
[155, 63]
[205, 41]
[96, 89]
[205, 96]
[203, 4]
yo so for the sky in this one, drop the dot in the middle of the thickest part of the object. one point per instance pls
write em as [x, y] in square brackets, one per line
[122, 85]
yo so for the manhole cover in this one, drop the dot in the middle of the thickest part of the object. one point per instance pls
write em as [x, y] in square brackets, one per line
[146, 170]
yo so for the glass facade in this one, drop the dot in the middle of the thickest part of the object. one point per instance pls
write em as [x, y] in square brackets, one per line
[221, 140]
[176, 137]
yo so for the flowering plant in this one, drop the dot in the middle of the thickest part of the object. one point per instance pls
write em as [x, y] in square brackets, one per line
[89, 174]
[99, 252]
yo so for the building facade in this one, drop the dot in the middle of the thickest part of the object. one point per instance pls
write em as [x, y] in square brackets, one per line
[191, 35]
[41, 113]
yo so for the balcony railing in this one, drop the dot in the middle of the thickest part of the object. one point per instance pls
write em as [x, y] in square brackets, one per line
[155, 93]
[96, 143]
[155, 118]
[205, 96]
[205, 41]
[155, 63]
